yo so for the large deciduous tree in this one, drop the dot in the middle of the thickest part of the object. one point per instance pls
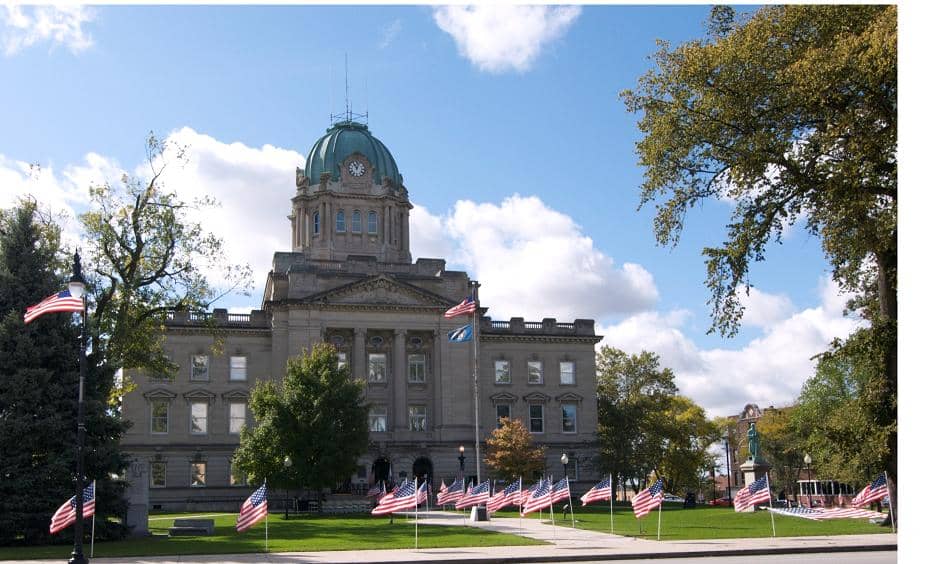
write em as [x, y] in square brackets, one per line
[316, 416]
[688, 434]
[790, 115]
[511, 453]
[38, 393]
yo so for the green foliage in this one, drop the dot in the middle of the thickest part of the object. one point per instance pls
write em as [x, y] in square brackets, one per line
[782, 446]
[688, 434]
[38, 394]
[511, 453]
[316, 417]
[149, 255]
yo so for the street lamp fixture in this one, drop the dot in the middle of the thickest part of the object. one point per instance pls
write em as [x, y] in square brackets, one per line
[287, 463]
[808, 485]
[461, 459]
[78, 286]
[564, 459]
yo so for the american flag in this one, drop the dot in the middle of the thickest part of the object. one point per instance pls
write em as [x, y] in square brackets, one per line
[476, 496]
[465, 307]
[873, 492]
[539, 498]
[375, 491]
[599, 492]
[834, 513]
[422, 495]
[560, 491]
[649, 498]
[253, 509]
[508, 496]
[452, 493]
[67, 513]
[526, 493]
[403, 498]
[757, 492]
[62, 301]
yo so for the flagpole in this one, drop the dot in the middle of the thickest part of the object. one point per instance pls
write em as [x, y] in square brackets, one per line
[659, 519]
[93, 524]
[771, 517]
[476, 378]
[570, 502]
[266, 518]
[521, 503]
[415, 483]
[891, 511]
[611, 511]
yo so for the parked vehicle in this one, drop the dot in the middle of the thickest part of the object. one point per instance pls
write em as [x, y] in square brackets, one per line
[721, 502]
[672, 499]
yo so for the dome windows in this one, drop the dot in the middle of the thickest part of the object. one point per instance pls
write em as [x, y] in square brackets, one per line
[372, 223]
[339, 222]
[356, 221]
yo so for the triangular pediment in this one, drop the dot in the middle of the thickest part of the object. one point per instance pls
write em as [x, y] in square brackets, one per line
[236, 395]
[537, 397]
[569, 396]
[199, 394]
[159, 393]
[503, 397]
[380, 290]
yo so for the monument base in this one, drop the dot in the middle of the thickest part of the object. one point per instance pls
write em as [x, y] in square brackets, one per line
[754, 470]
[478, 513]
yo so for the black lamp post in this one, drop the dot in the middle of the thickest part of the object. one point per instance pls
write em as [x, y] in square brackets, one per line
[564, 459]
[78, 287]
[287, 463]
[727, 458]
[808, 484]
[461, 458]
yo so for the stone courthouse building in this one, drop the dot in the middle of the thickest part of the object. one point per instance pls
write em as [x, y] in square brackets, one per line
[349, 280]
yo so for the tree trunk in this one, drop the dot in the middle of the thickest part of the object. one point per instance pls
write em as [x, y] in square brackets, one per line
[887, 263]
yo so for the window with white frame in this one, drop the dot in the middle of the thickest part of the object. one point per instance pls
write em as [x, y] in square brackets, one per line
[372, 223]
[356, 221]
[503, 372]
[376, 367]
[536, 418]
[158, 475]
[339, 222]
[236, 417]
[417, 368]
[376, 419]
[535, 372]
[199, 416]
[503, 410]
[568, 372]
[238, 368]
[236, 476]
[417, 420]
[197, 474]
[199, 368]
[568, 411]
[160, 410]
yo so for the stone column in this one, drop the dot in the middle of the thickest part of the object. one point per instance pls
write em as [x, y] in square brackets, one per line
[400, 381]
[435, 377]
[359, 362]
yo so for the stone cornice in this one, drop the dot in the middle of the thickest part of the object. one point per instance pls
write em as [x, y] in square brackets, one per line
[218, 332]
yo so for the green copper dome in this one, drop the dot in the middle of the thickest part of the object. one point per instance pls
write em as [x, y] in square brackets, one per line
[343, 139]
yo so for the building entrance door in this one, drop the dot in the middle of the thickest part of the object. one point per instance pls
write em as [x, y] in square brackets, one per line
[422, 469]
[380, 470]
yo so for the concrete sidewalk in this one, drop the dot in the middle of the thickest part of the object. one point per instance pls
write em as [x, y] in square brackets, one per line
[567, 544]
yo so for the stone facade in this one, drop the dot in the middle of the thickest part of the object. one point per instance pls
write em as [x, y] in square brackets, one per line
[359, 290]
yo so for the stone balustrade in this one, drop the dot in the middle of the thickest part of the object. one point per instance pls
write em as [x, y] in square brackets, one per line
[547, 326]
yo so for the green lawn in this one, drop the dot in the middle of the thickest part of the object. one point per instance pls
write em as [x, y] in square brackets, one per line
[294, 535]
[705, 523]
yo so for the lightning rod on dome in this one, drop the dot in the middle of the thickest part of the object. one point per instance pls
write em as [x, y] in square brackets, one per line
[348, 115]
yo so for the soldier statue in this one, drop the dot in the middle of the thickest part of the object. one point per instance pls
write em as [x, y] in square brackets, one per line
[753, 442]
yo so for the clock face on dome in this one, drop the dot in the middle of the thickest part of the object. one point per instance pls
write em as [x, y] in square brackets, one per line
[356, 168]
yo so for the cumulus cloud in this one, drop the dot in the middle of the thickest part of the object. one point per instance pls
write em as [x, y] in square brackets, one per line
[501, 38]
[769, 370]
[22, 27]
[764, 310]
[554, 271]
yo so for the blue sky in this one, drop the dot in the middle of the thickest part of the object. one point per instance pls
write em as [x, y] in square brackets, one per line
[476, 107]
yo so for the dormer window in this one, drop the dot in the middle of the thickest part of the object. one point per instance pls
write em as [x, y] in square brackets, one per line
[372, 223]
[339, 222]
[356, 221]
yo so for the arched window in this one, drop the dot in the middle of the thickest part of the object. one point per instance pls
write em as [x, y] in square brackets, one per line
[339, 222]
[372, 222]
[356, 221]
[316, 225]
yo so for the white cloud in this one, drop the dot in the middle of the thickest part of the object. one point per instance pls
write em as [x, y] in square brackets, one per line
[500, 38]
[531, 272]
[22, 27]
[769, 370]
[762, 309]
[389, 33]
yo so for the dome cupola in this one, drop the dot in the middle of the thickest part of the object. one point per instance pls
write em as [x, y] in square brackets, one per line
[346, 138]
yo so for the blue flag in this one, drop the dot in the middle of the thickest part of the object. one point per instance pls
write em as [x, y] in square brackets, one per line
[461, 334]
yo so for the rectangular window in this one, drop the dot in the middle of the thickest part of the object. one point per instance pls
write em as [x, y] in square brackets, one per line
[536, 418]
[417, 368]
[197, 474]
[339, 222]
[502, 410]
[376, 419]
[503, 374]
[535, 372]
[238, 368]
[158, 475]
[199, 368]
[569, 417]
[236, 417]
[376, 367]
[417, 418]
[236, 477]
[159, 416]
[567, 372]
[342, 359]
[199, 412]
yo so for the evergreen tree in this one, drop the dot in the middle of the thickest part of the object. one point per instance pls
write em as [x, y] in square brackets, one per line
[38, 393]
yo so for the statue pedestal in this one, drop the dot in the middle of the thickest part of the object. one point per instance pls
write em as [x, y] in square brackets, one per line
[137, 498]
[753, 470]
